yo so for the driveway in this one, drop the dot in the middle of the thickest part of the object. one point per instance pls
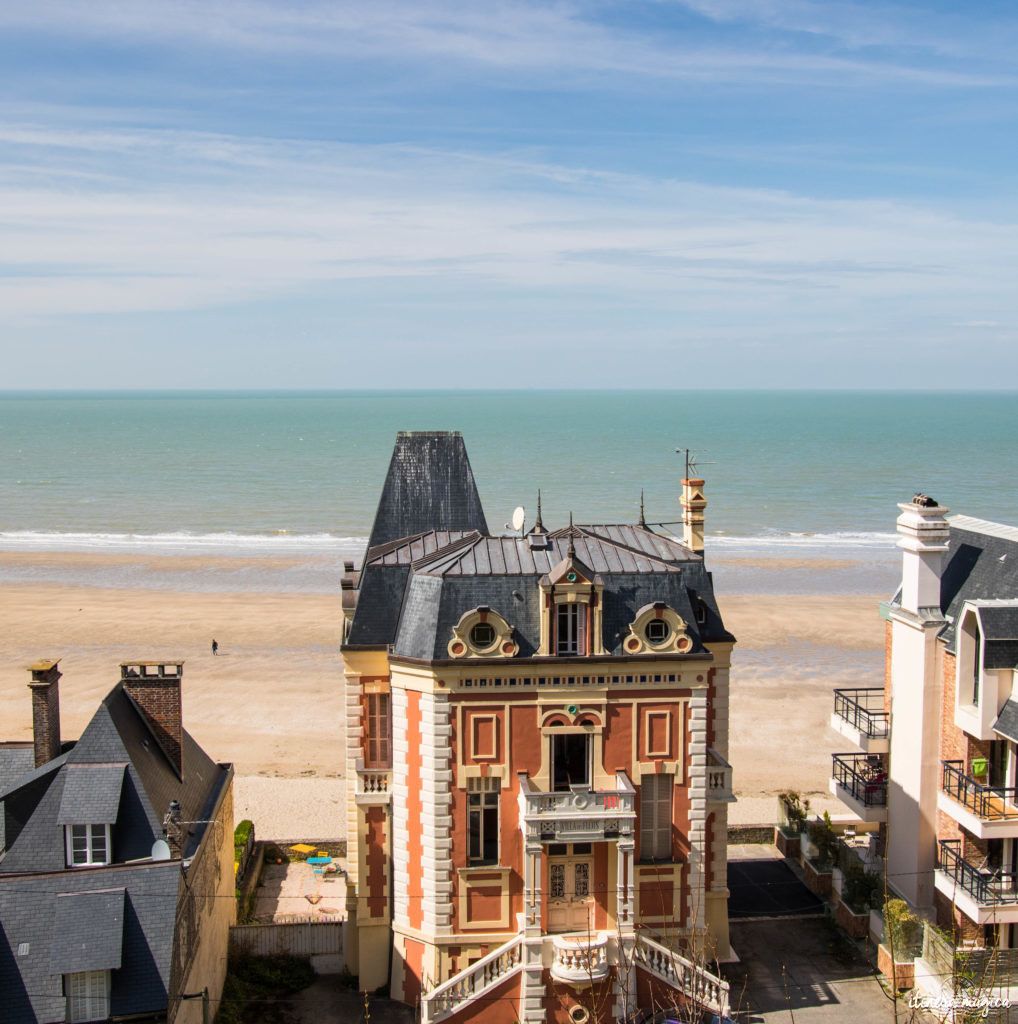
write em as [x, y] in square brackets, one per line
[763, 885]
[804, 970]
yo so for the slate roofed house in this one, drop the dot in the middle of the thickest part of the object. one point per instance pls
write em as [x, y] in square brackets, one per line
[116, 880]
[537, 735]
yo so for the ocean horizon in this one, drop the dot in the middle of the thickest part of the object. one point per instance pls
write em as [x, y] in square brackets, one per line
[805, 475]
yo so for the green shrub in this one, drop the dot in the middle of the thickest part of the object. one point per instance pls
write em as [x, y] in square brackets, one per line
[903, 931]
[823, 836]
[862, 890]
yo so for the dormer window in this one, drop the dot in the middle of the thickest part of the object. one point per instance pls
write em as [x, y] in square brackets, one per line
[482, 636]
[87, 845]
[657, 631]
[571, 630]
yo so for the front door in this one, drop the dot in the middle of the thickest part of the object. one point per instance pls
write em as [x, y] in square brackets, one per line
[570, 888]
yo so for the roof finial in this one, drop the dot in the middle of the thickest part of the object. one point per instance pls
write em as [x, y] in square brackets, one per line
[571, 553]
[643, 521]
[539, 524]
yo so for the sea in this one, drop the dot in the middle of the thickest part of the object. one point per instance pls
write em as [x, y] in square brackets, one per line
[273, 491]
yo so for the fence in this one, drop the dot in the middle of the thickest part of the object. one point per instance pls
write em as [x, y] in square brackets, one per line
[308, 937]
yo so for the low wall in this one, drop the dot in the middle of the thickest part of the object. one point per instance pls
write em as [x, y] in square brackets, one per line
[312, 937]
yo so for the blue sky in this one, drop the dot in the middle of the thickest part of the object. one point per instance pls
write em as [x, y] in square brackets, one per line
[716, 193]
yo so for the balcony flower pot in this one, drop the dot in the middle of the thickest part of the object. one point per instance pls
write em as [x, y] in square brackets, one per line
[980, 766]
[786, 842]
[901, 974]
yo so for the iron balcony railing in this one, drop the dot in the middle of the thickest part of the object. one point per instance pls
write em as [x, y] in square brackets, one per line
[987, 888]
[863, 776]
[991, 803]
[863, 709]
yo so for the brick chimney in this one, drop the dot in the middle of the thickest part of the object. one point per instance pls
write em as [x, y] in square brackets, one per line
[924, 535]
[45, 687]
[693, 503]
[155, 688]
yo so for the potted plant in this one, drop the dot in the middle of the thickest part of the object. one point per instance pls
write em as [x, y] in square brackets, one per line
[794, 812]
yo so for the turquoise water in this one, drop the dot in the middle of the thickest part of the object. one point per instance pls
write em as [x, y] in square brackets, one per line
[249, 473]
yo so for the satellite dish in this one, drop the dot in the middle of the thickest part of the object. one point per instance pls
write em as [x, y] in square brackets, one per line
[160, 850]
[519, 517]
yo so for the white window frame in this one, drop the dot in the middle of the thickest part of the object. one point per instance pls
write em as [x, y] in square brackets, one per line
[88, 996]
[92, 855]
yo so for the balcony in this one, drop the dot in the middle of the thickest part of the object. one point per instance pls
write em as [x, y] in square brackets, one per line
[860, 717]
[580, 959]
[374, 786]
[982, 895]
[579, 814]
[719, 779]
[859, 781]
[989, 812]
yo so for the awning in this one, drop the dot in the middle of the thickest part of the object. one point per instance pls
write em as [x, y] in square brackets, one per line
[1007, 721]
[91, 794]
[88, 932]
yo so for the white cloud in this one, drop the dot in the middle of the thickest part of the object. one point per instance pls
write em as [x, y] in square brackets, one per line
[240, 220]
[556, 41]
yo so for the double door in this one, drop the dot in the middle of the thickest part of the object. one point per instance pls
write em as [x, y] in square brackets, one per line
[570, 887]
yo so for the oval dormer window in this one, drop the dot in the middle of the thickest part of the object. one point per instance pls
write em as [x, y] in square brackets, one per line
[482, 635]
[657, 631]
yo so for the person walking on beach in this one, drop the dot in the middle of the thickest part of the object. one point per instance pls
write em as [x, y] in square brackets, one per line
[215, 648]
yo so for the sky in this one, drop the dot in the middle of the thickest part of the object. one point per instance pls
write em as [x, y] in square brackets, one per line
[419, 194]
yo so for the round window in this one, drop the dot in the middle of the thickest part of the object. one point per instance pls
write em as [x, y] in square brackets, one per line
[482, 635]
[656, 631]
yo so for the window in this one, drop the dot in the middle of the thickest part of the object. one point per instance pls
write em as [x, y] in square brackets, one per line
[482, 821]
[482, 636]
[378, 753]
[656, 631]
[570, 760]
[656, 817]
[87, 844]
[976, 669]
[571, 629]
[88, 995]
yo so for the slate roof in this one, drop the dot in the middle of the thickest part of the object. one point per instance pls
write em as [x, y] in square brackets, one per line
[416, 585]
[91, 794]
[981, 564]
[117, 767]
[1006, 724]
[28, 911]
[88, 931]
[429, 486]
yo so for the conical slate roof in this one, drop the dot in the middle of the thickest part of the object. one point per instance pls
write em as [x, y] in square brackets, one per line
[429, 486]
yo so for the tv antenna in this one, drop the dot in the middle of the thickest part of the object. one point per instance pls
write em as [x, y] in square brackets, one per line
[691, 460]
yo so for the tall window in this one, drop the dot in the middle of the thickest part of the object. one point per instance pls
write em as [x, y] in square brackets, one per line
[87, 844]
[88, 995]
[976, 669]
[571, 629]
[482, 821]
[570, 760]
[378, 753]
[656, 817]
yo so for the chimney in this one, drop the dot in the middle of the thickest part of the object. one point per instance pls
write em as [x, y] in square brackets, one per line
[155, 688]
[173, 831]
[45, 687]
[924, 535]
[693, 503]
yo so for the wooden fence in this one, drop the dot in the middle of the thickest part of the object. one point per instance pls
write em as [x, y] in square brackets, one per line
[309, 936]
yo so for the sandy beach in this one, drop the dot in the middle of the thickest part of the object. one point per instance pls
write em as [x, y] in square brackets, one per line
[272, 701]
